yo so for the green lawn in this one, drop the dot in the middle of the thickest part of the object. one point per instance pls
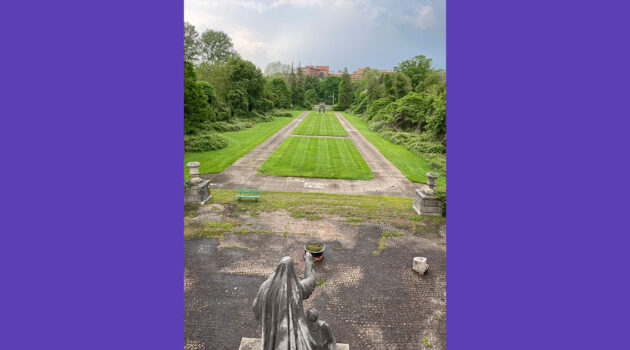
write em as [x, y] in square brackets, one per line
[317, 157]
[240, 142]
[325, 124]
[410, 164]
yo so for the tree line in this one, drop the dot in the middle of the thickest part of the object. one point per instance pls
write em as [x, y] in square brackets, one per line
[223, 92]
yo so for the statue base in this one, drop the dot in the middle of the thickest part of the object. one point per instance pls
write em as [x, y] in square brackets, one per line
[256, 344]
[197, 193]
[426, 204]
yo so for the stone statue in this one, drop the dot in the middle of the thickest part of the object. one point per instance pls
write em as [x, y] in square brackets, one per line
[278, 305]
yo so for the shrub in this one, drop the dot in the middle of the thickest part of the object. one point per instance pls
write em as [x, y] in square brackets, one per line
[230, 125]
[337, 107]
[204, 141]
[439, 194]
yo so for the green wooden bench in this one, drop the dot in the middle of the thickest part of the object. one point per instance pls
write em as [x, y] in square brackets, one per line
[245, 194]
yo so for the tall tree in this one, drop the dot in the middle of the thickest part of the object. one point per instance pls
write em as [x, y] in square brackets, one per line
[281, 90]
[278, 69]
[215, 46]
[293, 85]
[191, 43]
[300, 89]
[416, 68]
[401, 84]
[329, 86]
[246, 86]
[345, 90]
[196, 107]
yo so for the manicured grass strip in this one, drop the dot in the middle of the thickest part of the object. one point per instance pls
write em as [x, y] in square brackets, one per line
[410, 164]
[317, 157]
[240, 142]
[325, 124]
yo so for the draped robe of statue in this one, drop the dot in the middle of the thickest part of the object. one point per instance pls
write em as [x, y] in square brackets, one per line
[278, 305]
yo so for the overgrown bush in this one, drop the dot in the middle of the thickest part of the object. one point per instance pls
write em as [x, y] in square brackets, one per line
[204, 141]
[439, 194]
[282, 114]
[230, 125]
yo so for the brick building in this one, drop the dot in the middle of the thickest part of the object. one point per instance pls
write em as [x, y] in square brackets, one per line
[316, 71]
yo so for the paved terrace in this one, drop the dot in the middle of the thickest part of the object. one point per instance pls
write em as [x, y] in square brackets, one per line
[388, 180]
[371, 301]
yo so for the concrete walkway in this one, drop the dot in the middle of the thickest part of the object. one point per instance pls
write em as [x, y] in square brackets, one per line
[388, 180]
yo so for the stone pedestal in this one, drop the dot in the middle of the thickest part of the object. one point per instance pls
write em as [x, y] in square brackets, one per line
[425, 203]
[197, 193]
[420, 265]
[256, 344]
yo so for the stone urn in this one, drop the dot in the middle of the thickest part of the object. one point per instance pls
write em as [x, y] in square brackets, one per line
[432, 179]
[316, 248]
[193, 170]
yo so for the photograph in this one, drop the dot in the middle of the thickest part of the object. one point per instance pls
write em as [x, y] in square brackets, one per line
[315, 174]
[311, 139]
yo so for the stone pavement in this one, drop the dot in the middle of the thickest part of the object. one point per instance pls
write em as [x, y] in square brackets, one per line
[388, 180]
[371, 301]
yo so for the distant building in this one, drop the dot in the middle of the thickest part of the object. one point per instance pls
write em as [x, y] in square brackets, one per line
[317, 71]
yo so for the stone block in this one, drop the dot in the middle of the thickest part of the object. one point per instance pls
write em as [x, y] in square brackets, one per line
[197, 193]
[420, 265]
[256, 344]
[426, 204]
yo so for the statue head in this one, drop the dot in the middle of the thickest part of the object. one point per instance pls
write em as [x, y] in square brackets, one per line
[312, 314]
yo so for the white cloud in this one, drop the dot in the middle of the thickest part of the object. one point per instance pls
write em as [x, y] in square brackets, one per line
[425, 17]
[334, 32]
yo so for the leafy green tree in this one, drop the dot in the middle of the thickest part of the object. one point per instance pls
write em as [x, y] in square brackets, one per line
[209, 91]
[293, 85]
[329, 86]
[431, 79]
[375, 87]
[215, 46]
[278, 69]
[312, 82]
[345, 91]
[388, 84]
[245, 83]
[311, 97]
[416, 68]
[401, 84]
[300, 87]
[436, 119]
[196, 107]
[281, 90]
[191, 43]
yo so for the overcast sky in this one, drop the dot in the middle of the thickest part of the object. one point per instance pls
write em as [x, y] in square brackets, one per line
[338, 33]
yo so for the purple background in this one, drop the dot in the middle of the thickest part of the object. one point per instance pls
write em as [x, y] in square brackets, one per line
[91, 139]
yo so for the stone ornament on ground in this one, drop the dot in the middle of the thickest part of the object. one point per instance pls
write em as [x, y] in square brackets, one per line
[420, 265]
[198, 191]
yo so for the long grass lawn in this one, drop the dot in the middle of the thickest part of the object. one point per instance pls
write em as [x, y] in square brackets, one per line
[410, 164]
[240, 142]
[325, 124]
[317, 157]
